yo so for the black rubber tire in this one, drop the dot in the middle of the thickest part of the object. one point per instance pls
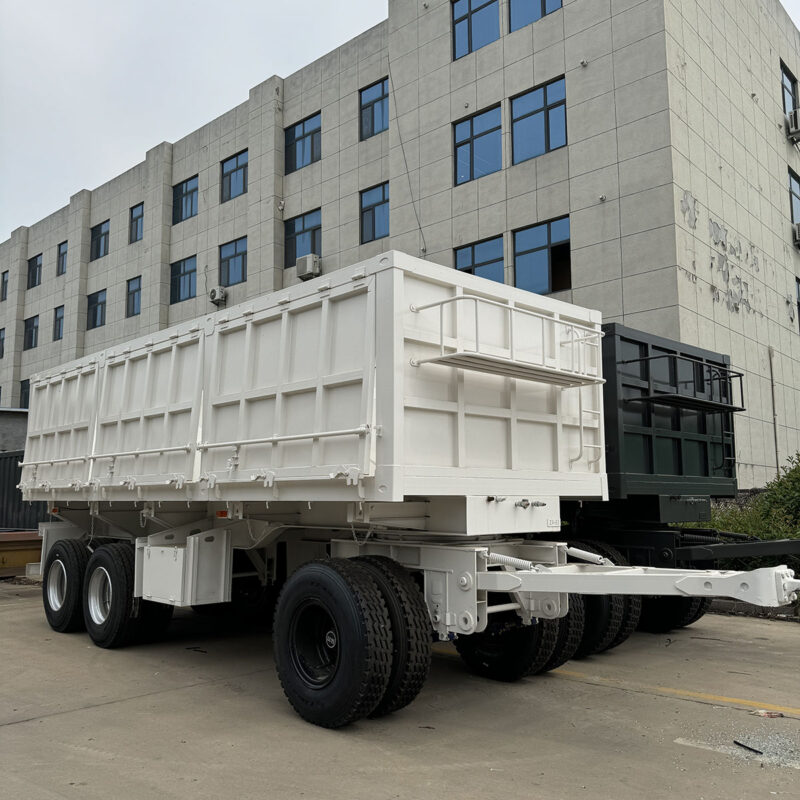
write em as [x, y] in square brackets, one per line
[603, 622]
[570, 634]
[344, 594]
[153, 620]
[411, 633]
[704, 605]
[547, 645]
[632, 602]
[119, 626]
[73, 557]
[661, 614]
[507, 650]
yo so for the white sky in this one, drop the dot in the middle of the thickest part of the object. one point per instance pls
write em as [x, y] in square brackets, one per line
[88, 86]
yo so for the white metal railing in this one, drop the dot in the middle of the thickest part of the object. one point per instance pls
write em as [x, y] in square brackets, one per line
[361, 430]
[580, 339]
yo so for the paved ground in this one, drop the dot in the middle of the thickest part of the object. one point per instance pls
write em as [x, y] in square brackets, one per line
[202, 716]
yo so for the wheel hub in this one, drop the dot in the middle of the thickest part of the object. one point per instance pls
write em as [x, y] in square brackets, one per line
[56, 584]
[99, 595]
[314, 644]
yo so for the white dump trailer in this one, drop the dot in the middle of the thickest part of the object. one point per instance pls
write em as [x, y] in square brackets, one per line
[388, 445]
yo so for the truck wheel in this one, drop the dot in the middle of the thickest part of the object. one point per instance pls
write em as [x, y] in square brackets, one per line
[411, 632]
[632, 602]
[108, 595]
[603, 620]
[570, 634]
[62, 585]
[507, 650]
[662, 614]
[153, 620]
[332, 642]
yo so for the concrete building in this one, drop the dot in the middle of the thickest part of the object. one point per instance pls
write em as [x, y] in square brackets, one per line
[663, 199]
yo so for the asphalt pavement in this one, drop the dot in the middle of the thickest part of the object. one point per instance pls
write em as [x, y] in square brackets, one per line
[201, 715]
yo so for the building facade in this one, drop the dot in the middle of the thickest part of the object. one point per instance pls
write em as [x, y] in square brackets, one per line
[627, 155]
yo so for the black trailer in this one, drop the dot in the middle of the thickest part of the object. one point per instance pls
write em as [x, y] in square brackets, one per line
[670, 451]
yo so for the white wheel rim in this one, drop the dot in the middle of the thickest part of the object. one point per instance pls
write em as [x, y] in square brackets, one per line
[99, 595]
[56, 584]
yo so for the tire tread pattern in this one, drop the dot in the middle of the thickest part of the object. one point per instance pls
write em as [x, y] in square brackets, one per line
[411, 659]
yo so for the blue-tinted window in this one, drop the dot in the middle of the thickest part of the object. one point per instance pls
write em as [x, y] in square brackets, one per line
[375, 213]
[539, 121]
[58, 323]
[794, 194]
[484, 259]
[476, 23]
[30, 337]
[234, 176]
[233, 262]
[24, 393]
[99, 241]
[789, 86]
[34, 271]
[375, 109]
[136, 226]
[542, 261]
[184, 200]
[523, 12]
[96, 310]
[61, 259]
[303, 236]
[2, 342]
[133, 297]
[478, 145]
[304, 143]
[4, 286]
[183, 280]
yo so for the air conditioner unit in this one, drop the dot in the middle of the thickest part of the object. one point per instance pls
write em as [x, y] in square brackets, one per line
[217, 295]
[308, 267]
[793, 126]
[796, 234]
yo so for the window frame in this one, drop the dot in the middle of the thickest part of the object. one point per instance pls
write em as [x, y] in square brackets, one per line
[96, 302]
[544, 13]
[787, 75]
[471, 139]
[34, 271]
[314, 230]
[58, 323]
[2, 342]
[133, 297]
[25, 393]
[180, 194]
[227, 174]
[473, 266]
[548, 246]
[291, 139]
[99, 236]
[177, 272]
[370, 209]
[4, 286]
[545, 109]
[61, 258]
[794, 178]
[468, 17]
[136, 224]
[30, 333]
[225, 262]
[369, 106]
